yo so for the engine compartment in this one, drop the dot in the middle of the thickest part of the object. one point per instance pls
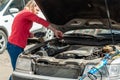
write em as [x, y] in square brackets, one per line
[59, 49]
[56, 58]
[71, 52]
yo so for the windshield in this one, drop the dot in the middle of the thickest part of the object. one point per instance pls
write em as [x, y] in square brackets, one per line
[3, 4]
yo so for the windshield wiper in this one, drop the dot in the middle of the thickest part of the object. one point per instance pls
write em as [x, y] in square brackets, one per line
[78, 35]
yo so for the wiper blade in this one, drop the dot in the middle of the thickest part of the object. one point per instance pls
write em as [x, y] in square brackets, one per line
[81, 35]
[108, 36]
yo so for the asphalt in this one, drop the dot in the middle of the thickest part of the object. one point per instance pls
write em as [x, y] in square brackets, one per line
[5, 66]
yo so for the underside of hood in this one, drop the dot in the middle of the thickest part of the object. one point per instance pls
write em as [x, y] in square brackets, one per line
[61, 11]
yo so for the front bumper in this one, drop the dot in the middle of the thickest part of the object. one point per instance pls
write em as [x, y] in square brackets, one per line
[24, 76]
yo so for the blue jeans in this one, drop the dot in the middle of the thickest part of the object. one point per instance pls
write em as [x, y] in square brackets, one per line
[14, 52]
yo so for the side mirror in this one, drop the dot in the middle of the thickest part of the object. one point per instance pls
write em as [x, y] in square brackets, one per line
[13, 10]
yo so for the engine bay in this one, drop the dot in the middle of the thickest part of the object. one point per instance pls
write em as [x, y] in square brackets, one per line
[59, 49]
[70, 52]
[55, 57]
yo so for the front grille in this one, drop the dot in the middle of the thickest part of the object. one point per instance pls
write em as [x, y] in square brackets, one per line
[63, 71]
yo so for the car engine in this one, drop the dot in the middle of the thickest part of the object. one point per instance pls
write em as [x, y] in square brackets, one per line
[60, 59]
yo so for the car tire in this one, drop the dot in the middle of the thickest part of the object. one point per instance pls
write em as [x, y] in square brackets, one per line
[3, 41]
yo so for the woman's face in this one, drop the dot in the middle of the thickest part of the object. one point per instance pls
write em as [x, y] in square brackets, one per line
[36, 9]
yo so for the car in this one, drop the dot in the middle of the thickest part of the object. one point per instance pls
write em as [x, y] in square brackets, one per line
[88, 50]
[8, 10]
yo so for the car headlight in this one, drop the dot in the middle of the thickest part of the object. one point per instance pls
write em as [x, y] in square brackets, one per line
[101, 74]
[103, 71]
[23, 65]
[114, 69]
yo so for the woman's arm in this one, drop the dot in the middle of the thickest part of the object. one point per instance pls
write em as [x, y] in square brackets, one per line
[35, 18]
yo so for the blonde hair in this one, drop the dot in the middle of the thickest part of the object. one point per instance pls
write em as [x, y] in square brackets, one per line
[30, 5]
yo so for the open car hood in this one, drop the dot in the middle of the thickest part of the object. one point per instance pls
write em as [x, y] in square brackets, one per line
[61, 12]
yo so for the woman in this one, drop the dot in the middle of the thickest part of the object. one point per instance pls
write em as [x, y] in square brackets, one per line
[20, 30]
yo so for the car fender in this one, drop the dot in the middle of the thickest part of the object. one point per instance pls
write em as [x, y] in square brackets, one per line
[4, 30]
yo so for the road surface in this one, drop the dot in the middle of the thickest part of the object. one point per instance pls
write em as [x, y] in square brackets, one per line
[5, 66]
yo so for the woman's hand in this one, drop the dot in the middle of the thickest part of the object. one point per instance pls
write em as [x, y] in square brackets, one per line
[57, 33]
[31, 35]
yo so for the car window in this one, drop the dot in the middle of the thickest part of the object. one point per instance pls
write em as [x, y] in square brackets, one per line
[3, 4]
[26, 1]
[18, 4]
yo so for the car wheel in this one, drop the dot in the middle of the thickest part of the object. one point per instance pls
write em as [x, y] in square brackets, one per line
[3, 41]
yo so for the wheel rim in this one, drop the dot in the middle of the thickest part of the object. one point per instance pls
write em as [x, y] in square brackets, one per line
[2, 42]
